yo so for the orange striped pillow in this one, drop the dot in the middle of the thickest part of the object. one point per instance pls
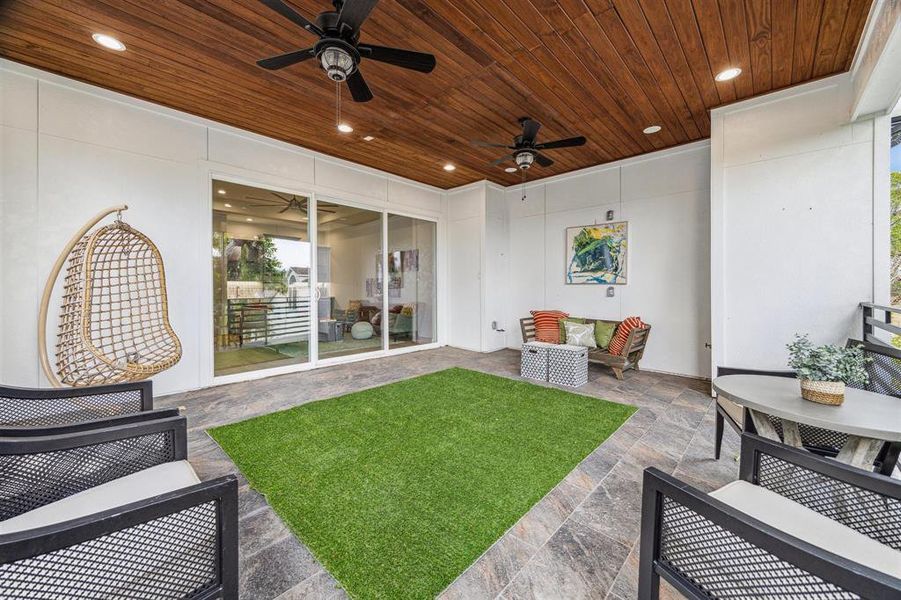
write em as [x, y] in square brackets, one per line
[618, 343]
[547, 325]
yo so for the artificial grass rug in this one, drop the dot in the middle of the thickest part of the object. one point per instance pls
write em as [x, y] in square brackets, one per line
[399, 488]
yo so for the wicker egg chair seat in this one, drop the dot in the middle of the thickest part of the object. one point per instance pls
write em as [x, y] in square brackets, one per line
[114, 324]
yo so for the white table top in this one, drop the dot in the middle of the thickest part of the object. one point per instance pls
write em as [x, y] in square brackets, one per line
[865, 414]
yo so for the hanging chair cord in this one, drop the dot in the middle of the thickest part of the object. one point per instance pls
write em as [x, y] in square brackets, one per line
[51, 282]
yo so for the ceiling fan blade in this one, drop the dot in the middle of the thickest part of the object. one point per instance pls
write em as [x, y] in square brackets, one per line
[567, 143]
[284, 210]
[292, 15]
[482, 144]
[502, 159]
[530, 129]
[406, 59]
[354, 12]
[280, 197]
[543, 160]
[286, 60]
[358, 88]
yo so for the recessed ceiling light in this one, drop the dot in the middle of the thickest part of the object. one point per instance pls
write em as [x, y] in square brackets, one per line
[227, 205]
[249, 220]
[511, 169]
[728, 74]
[449, 167]
[108, 42]
[345, 128]
[369, 138]
[220, 192]
[652, 129]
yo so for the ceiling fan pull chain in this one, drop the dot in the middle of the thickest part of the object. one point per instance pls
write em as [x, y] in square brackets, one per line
[337, 103]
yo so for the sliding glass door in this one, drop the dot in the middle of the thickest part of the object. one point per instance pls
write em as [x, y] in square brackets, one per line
[374, 284]
[261, 279]
[349, 280]
[412, 281]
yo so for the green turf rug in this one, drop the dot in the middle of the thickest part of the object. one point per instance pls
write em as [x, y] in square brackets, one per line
[399, 488]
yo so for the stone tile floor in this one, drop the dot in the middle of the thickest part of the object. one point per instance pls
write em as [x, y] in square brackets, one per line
[579, 541]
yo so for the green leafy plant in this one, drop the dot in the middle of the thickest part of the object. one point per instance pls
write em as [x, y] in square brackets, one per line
[827, 363]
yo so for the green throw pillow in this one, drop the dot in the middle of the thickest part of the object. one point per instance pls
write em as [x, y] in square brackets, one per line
[563, 327]
[603, 333]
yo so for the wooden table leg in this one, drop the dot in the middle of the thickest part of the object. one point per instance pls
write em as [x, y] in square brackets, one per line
[763, 426]
[791, 435]
[860, 452]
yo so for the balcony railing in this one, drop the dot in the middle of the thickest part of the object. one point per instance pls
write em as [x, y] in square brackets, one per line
[880, 318]
[268, 319]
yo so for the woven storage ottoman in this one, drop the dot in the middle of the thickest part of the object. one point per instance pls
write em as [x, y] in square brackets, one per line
[568, 365]
[533, 364]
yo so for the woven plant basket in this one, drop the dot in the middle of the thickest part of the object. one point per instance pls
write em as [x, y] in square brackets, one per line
[823, 392]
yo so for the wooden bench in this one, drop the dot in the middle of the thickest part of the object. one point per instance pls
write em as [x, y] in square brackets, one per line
[632, 352]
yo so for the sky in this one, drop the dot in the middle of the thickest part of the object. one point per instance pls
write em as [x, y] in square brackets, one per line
[896, 158]
[292, 253]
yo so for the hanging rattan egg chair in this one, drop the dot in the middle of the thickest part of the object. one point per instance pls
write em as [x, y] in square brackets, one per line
[113, 323]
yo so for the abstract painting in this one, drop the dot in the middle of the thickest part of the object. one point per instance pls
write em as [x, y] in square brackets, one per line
[596, 254]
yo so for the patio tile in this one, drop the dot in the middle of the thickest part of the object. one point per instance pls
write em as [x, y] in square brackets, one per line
[540, 523]
[320, 586]
[576, 563]
[260, 529]
[492, 571]
[614, 508]
[276, 568]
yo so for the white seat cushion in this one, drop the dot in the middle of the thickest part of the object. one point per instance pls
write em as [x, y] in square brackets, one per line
[810, 526]
[125, 490]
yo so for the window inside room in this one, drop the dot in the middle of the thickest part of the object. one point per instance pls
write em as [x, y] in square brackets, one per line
[261, 278]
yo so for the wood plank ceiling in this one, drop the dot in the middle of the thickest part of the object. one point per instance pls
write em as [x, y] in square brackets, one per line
[605, 69]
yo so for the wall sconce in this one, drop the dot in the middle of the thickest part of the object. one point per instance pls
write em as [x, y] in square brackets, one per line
[609, 215]
[611, 291]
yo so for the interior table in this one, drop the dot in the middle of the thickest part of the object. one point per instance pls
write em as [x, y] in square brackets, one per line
[869, 419]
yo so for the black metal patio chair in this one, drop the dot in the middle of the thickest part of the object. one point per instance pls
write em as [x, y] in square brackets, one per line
[112, 509]
[45, 407]
[795, 526]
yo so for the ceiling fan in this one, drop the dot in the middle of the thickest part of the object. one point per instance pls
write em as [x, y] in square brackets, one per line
[339, 50]
[525, 150]
[301, 205]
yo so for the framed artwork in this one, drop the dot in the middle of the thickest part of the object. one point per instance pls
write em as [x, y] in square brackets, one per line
[597, 254]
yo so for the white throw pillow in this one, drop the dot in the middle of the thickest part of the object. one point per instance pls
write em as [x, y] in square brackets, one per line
[580, 334]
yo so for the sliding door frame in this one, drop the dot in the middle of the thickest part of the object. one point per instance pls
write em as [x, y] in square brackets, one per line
[278, 184]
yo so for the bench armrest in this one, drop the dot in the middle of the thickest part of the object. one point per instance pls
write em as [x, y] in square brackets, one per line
[869, 503]
[36, 407]
[181, 544]
[40, 469]
[705, 548]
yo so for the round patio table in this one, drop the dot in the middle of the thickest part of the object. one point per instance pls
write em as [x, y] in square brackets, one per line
[869, 419]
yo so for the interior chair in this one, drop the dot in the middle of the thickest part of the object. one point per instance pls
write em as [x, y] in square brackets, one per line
[795, 525]
[112, 509]
[46, 407]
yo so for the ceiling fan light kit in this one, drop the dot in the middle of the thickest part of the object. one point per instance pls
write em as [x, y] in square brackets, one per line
[339, 50]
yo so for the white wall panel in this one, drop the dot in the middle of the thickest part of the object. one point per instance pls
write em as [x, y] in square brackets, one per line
[76, 115]
[681, 171]
[358, 182]
[19, 245]
[464, 281]
[248, 153]
[18, 101]
[794, 240]
[405, 195]
[582, 191]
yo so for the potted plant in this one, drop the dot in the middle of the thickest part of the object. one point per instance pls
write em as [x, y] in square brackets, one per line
[824, 370]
